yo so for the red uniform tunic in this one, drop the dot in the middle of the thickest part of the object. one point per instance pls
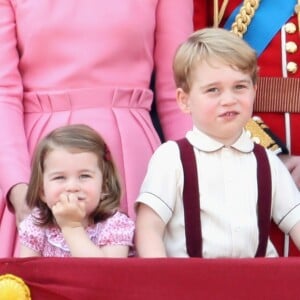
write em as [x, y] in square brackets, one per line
[281, 58]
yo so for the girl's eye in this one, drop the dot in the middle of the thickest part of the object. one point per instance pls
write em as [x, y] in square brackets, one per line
[58, 178]
[85, 176]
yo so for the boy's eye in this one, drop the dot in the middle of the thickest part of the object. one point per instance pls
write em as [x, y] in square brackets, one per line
[240, 86]
[212, 90]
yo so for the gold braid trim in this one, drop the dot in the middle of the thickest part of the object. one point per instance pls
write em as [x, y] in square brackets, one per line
[244, 17]
[218, 14]
[254, 126]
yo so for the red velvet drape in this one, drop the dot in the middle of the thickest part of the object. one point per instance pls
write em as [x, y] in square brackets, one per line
[149, 279]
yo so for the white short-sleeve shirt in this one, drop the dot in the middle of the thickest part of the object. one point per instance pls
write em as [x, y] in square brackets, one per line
[228, 196]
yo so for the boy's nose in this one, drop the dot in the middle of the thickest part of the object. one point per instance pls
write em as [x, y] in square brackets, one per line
[228, 98]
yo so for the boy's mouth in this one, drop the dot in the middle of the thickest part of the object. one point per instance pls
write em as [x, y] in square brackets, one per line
[229, 114]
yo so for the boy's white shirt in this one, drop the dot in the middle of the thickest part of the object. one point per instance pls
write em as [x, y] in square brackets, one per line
[228, 196]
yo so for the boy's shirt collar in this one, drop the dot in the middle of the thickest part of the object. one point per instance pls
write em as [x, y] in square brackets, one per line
[205, 143]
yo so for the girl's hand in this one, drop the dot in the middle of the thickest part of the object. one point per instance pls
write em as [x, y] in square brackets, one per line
[69, 211]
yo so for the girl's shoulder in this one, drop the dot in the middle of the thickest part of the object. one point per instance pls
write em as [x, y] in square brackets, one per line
[117, 229]
[29, 223]
[30, 226]
[31, 234]
[119, 219]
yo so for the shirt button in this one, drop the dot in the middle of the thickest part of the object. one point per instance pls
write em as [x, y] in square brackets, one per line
[292, 67]
[290, 27]
[256, 139]
[291, 47]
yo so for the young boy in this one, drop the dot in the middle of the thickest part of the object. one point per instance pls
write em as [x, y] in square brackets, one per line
[215, 73]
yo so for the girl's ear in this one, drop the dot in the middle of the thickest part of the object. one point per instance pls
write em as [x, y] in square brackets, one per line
[183, 100]
[42, 195]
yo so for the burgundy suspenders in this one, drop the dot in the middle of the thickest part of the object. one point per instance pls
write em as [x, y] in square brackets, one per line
[264, 188]
[191, 202]
[191, 199]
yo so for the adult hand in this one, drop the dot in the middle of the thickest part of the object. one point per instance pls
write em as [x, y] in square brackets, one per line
[69, 211]
[17, 198]
[293, 165]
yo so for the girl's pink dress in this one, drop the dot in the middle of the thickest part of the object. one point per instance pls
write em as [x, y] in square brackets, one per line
[49, 242]
[89, 62]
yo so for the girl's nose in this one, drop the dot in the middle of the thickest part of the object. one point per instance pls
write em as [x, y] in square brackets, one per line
[72, 185]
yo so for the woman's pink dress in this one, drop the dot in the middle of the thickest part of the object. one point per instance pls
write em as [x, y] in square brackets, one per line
[87, 61]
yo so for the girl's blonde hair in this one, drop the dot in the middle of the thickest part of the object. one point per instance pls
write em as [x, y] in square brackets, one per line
[211, 44]
[76, 139]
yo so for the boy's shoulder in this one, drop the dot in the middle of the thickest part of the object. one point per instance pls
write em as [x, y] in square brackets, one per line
[168, 147]
[166, 157]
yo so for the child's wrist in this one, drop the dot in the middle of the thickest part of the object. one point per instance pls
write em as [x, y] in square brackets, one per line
[71, 226]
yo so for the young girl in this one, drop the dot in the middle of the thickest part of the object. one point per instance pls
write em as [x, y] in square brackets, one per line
[74, 192]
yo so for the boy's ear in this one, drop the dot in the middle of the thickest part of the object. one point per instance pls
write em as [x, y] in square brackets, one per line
[183, 100]
[255, 90]
[255, 87]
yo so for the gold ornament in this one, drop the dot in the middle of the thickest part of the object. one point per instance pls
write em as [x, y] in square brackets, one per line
[13, 288]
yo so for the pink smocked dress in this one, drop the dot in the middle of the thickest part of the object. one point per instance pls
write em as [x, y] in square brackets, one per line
[78, 61]
[49, 241]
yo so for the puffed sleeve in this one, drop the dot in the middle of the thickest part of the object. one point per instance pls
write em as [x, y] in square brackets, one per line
[174, 24]
[116, 230]
[162, 185]
[14, 158]
[31, 235]
[286, 196]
